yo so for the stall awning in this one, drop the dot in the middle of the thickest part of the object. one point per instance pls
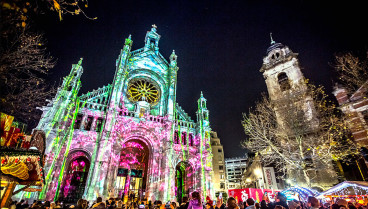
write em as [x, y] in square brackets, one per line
[347, 188]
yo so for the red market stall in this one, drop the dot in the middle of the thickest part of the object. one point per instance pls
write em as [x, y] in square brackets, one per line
[256, 194]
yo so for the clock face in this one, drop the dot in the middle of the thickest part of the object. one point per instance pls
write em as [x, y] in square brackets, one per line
[141, 89]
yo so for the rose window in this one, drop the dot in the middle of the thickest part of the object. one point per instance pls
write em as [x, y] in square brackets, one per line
[143, 90]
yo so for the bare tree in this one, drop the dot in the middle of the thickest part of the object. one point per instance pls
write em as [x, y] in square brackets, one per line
[300, 134]
[24, 59]
[24, 63]
[352, 70]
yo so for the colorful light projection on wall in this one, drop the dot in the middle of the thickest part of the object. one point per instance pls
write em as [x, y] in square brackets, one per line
[184, 180]
[75, 179]
[133, 155]
[134, 158]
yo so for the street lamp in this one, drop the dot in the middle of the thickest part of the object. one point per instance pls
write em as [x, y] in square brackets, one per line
[258, 174]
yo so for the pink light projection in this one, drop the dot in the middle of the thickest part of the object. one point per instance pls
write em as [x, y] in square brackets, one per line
[132, 155]
[76, 174]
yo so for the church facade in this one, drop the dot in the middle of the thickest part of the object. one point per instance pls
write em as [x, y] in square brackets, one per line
[128, 139]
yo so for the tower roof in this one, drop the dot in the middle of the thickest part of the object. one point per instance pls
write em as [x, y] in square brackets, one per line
[274, 45]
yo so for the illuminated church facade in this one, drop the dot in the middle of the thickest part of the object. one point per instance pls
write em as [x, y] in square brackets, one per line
[128, 138]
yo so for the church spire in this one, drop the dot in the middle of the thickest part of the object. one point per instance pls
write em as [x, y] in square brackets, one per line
[202, 112]
[272, 41]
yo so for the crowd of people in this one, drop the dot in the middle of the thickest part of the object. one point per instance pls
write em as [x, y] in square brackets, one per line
[195, 202]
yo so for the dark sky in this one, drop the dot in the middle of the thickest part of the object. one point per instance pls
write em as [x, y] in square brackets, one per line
[220, 47]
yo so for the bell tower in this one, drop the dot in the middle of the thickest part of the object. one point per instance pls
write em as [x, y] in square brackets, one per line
[152, 39]
[286, 82]
[281, 71]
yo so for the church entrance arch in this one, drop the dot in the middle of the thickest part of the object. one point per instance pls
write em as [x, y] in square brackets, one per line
[184, 180]
[75, 178]
[132, 170]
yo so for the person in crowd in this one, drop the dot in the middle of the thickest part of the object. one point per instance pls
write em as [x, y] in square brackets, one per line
[209, 205]
[13, 205]
[111, 203]
[149, 205]
[80, 203]
[107, 204]
[257, 205]
[294, 204]
[85, 204]
[280, 199]
[119, 204]
[312, 202]
[99, 204]
[219, 203]
[231, 203]
[195, 202]
[52, 205]
[208, 200]
[58, 204]
[334, 206]
[46, 205]
[185, 203]
[25, 205]
[351, 205]
[174, 205]
[249, 203]
[279, 207]
[19, 204]
[242, 205]
[342, 203]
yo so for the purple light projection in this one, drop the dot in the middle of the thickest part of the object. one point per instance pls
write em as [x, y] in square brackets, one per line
[75, 178]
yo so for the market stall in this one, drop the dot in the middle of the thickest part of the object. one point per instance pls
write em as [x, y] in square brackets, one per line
[299, 193]
[351, 191]
[22, 160]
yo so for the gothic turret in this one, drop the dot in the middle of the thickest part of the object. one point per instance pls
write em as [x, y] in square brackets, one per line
[121, 72]
[202, 112]
[152, 39]
[173, 72]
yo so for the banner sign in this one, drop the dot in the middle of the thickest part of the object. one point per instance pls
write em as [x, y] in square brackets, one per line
[255, 194]
[270, 178]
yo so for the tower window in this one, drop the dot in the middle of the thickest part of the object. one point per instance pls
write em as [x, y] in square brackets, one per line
[283, 81]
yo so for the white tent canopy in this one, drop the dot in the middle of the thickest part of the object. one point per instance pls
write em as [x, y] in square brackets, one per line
[347, 188]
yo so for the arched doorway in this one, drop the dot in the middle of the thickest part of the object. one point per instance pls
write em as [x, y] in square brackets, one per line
[75, 179]
[183, 180]
[132, 171]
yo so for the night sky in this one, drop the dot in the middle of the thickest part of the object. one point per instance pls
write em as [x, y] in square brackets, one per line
[220, 47]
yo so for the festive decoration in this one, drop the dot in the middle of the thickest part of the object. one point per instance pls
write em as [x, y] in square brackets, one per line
[347, 189]
[255, 194]
[299, 193]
